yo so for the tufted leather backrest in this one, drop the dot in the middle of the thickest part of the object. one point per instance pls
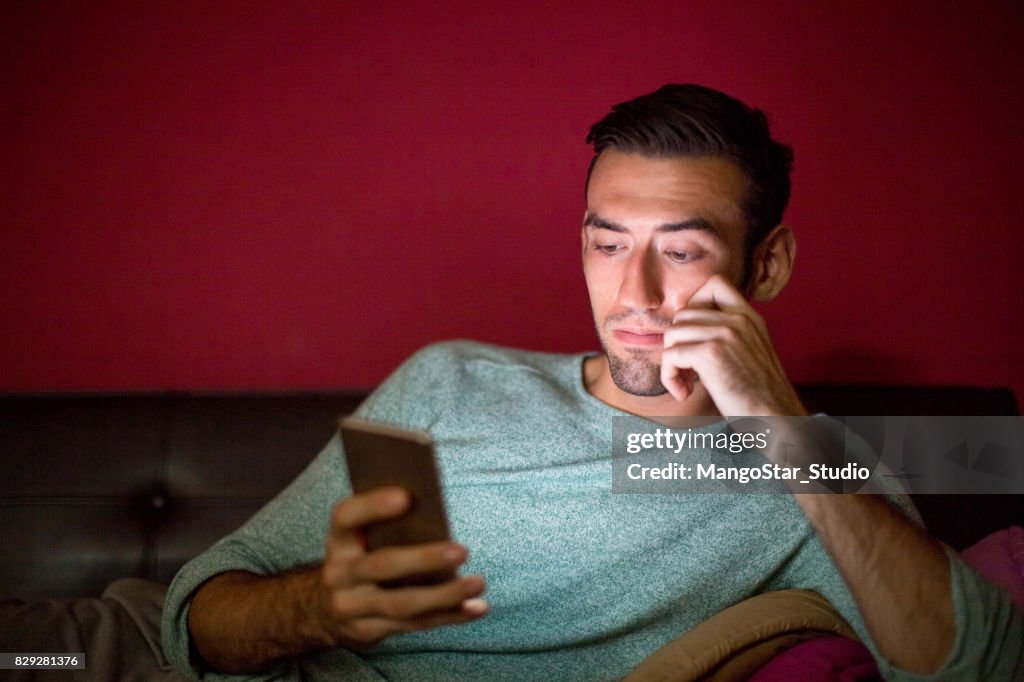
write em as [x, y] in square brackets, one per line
[99, 487]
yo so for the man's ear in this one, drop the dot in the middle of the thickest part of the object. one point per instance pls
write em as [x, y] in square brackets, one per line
[772, 263]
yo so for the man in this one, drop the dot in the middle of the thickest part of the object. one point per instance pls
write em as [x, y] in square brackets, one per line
[683, 225]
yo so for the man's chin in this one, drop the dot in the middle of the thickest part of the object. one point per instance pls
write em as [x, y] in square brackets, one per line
[636, 375]
[643, 391]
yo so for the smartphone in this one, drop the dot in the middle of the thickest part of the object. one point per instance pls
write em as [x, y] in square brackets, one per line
[381, 455]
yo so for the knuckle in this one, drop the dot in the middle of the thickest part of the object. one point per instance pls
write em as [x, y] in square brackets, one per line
[341, 514]
[337, 574]
[346, 514]
[337, 568]
[345, 605]
[391, 605]
[374, 565]
[673, 353]
[395, 607]
[749, 321]
[368, 635]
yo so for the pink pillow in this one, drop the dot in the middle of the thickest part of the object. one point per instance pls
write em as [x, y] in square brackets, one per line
[1000, 559]
[825, 659]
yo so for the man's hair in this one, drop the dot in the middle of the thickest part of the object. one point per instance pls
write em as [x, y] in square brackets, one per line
[695, 121]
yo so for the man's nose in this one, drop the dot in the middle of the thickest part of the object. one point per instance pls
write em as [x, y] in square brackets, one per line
[641, 287]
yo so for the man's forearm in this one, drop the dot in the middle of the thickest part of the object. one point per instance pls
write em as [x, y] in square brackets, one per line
[241, 622]
[897, 574]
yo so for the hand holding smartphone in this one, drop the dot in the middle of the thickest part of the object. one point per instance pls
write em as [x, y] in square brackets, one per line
[381, 455]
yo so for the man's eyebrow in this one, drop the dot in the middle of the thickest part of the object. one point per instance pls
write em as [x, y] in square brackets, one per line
[594, 220]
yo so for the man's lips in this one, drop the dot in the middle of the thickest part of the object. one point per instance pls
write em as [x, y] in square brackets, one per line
[639, 337]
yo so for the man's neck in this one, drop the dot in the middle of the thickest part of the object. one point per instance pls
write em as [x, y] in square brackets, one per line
[597, 379]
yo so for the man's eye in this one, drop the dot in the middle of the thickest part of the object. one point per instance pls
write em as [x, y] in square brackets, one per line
[683, 256]
[607, 249]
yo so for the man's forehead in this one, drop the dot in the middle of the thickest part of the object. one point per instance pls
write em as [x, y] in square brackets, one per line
[656, 190]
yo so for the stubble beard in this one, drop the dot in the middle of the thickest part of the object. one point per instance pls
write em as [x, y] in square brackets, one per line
[635, 373]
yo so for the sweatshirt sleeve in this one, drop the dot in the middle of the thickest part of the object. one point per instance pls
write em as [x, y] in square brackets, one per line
[989, 640]
[286, 533]
[290, 531]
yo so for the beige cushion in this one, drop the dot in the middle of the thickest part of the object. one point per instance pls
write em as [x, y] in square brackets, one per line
[734, 643]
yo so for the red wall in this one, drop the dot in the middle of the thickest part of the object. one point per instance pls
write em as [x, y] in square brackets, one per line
[281, 195]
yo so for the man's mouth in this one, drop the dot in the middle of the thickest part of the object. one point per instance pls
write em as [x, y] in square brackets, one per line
[638, 336]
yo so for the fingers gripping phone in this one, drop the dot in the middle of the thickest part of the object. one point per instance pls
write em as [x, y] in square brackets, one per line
[381, 455]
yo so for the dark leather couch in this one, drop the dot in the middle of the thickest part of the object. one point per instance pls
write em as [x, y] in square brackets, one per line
[99, 487]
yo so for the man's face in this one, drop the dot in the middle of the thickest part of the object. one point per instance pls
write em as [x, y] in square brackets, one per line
[655, 230]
